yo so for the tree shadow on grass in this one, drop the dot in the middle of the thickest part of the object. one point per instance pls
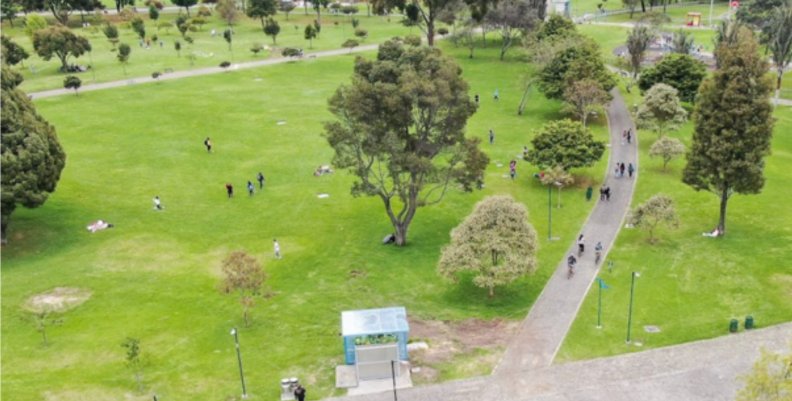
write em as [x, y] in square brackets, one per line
[33, 231]
[510, 301]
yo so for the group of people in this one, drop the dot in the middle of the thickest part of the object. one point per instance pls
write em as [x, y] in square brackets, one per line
[572, 260]
[621, 167]
[605, 193]
[250, 187]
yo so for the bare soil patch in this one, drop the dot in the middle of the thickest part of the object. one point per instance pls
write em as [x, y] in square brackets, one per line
[449, 340]
[59, 299]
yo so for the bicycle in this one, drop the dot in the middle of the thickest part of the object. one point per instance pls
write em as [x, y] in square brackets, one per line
[571, 261]
[598, 253]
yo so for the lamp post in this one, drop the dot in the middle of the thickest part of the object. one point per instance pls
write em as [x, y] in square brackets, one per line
[235, 333]
[393, 375]
[549, 212]
[710, 17]
[629, 314]
[599, 303]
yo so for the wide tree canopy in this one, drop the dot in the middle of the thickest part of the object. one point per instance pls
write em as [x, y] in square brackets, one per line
[495, 242]
[400, 129]
[60, 42]
[579, 61]
[564, 143]
[733, 124]
[32, 158]
[680, 71]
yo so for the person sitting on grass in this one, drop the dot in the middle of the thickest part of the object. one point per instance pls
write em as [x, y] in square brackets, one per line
[322, 170]
[98, 225]
[713, 233]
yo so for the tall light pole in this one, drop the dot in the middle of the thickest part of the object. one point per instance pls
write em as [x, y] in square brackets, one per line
[629, 314]
[239, 358]
[549, 212]
[710, 18]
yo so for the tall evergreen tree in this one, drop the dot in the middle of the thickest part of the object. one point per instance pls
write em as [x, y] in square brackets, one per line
[32, 158]
[733, 124]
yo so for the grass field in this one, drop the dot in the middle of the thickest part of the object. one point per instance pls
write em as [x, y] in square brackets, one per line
[208, 50]
[690, 286]
[155, 275]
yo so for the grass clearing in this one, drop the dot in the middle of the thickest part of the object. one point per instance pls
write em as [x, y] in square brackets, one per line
[155, 275]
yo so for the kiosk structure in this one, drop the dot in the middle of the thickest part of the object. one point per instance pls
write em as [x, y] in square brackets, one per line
[375, 341]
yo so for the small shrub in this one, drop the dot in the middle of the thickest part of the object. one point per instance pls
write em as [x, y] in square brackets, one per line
[443, 31]
[225, 64]
[361, 33]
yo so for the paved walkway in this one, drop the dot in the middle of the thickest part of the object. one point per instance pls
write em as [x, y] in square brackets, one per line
[199, 72]
[698, 371]
[546, 326]
[703, 370]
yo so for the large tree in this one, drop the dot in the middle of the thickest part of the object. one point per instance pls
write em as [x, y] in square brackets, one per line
[227, 10]
[12, 53]
[758, 13]
[32, 158]
[186, 4]
[60, 42]
[680, 71]
[512, 18]
[582, 60]
[733, 124]
[564, 143]
[779, 31]
[400, 130]
[661, 110]
[584, 98]
[423, 13]
[637, 43]
[261, 9]
[61, 9]
[495, 242]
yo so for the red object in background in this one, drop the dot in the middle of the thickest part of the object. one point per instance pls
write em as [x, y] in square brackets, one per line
[735, 4]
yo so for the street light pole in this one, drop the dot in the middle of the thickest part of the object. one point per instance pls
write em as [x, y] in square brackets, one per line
[549, 212]
[710, 18]
[599, 304]
[629, 314]
[393, 375]
[235, 333]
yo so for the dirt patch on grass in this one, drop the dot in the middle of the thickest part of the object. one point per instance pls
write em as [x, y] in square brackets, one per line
[481, 340]
[59, 299]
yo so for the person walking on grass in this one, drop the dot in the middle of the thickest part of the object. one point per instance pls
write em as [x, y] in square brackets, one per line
[513, 168]
[208, 144]
[260, 178]
[299, 393]
[157, 203]
[276, 248]
[250, 188]
[491, 136]
[229, 190]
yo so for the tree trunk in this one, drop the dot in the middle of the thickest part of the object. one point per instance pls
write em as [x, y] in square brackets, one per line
[4, 225]
[643, 6]
[505, 46]
[319, 15]
[430, 31]
[724, 200]
[483, 37]
[471, 52]
[778, 83]
[491, 291]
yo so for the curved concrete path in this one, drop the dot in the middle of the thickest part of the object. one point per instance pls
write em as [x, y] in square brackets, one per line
[698, 371]
[543, 331]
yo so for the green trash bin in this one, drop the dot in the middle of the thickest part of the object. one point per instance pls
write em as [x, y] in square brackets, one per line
[734, 325]
[749, 323]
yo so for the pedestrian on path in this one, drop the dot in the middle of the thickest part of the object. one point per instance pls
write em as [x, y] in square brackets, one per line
[229, 190]
[607, 193]
[602, 193]
[250, 188]
[491, 136]
[624, 137]
[629, 135]
[157, 203]
[616, 171]
[260, 178]
[631, 169]
[208, 144]
[276, 247]
[581, 243]
[621, 170]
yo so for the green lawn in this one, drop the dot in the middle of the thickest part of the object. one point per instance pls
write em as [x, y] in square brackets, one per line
[690, 286]
[208, 50]
[155, 275]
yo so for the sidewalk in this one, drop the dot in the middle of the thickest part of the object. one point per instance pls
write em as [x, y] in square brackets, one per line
[546, 325]
[199, 72]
